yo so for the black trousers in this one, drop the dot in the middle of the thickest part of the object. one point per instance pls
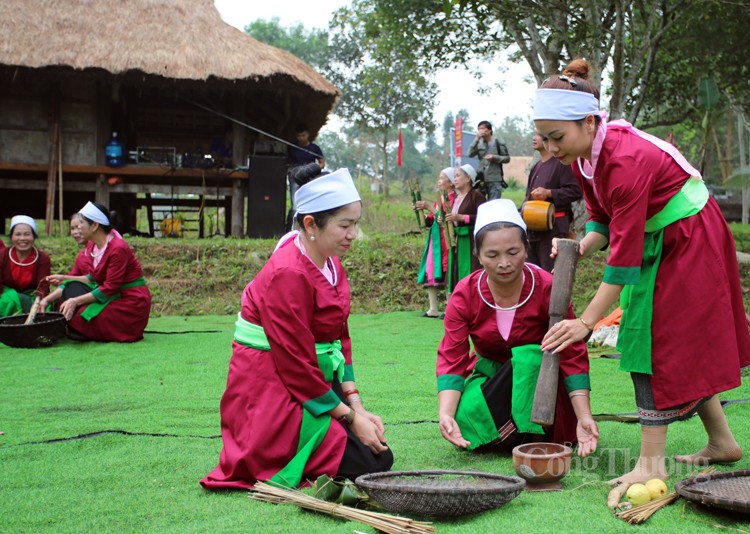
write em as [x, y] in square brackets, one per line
[498, 391]
[358, 459]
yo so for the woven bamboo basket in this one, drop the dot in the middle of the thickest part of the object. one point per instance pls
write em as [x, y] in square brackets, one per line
[440, 493]
[729, 490]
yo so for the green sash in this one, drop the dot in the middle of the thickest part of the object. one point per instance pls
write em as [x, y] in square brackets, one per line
[10, 303]
[313, 429]
[473, 415]
[433, 237]
[96, 307]
[462, 256]
[637, 301]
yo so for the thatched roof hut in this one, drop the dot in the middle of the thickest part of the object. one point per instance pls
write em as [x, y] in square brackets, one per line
[170, 39]
[161, 73]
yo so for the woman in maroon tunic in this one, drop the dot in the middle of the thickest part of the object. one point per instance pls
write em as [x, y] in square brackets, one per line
[671, 253]
[23, 268]
[486, 395]
[291, 411]
[118, 307]
[81, 267]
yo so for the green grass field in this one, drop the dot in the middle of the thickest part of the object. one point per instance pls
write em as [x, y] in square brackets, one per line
[114, 437]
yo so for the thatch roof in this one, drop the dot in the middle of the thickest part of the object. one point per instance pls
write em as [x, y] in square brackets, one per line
[176, 39]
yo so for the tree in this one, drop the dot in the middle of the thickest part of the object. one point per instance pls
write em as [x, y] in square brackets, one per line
[311, 46]
[382, 89]
[546, 34]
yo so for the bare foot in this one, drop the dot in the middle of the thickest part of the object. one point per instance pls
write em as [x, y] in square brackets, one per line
[712, 455]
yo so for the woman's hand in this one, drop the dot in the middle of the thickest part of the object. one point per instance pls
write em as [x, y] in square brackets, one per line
[581, 248]
[588, 435]
[564, 334]
[422, 205]
[374, 419]
[452, 217]
[68, 308]
[368, 433]
[450, 431]
[56, 279]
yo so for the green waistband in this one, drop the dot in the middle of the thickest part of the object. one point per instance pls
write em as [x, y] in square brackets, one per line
[330, 357]
[96, 307]
[688, 201]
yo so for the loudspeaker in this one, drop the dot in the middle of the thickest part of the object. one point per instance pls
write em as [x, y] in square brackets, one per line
[266, 198]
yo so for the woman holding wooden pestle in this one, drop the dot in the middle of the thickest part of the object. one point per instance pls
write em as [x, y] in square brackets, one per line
[486, 394]
[23, 268]
[291, 410]
[672, 264]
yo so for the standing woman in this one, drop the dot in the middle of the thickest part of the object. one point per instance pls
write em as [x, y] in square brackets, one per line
[433, 270]
[117, 309]
[24, 268]
[672, 263]
[486, 388]
[291, 410]
[463, 214]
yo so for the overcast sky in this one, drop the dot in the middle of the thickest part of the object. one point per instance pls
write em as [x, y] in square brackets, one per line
[457, 88]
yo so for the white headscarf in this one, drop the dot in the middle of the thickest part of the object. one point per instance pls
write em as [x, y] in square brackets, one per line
[499, 210]
[450, 172]
[470, 170]
[564, 105]
[22, 219]
[93, 213]
[326, 192]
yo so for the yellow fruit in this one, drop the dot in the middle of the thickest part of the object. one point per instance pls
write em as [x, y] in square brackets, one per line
[656, 488]
[638, 494]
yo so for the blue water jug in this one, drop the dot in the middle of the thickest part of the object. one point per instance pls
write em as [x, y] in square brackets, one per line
[114, 152]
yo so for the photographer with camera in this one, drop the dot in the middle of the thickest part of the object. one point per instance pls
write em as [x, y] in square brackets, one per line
[492, 154]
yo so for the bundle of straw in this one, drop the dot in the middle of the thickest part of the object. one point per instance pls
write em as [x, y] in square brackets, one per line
[390, 524]
[639, 514]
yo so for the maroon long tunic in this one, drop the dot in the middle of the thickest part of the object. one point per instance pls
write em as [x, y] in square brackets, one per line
[468, 317]
[83, 264]
[124, 319]
[261, 410]
[699, 332]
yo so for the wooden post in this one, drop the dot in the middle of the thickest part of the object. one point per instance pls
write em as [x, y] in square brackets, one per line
[49, 214]
[102, 190]
[60, 185]
[238, 207]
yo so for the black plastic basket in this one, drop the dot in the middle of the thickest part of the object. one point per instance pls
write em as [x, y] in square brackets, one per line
[46, 330]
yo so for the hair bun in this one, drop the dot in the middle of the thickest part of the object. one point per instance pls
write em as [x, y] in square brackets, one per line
[578, 68]
[304, 173]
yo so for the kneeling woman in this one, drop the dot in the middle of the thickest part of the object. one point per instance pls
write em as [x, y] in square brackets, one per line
[23, 268]
[118, 307]
[291, 411]
[486, 398]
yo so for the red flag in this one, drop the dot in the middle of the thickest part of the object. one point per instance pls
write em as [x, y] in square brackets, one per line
[400, 153]
[458, 136]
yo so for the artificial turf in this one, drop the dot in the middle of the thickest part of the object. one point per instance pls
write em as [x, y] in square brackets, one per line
[114, 437]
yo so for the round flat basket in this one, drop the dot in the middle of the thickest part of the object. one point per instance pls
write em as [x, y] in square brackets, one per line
[440, 493]
[46, 330]
[729, 490]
